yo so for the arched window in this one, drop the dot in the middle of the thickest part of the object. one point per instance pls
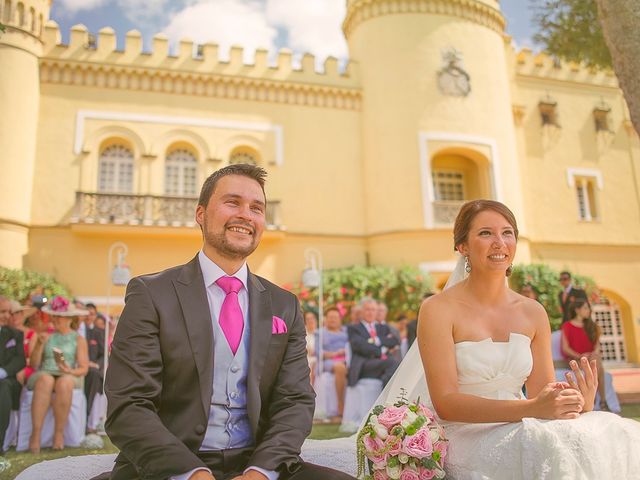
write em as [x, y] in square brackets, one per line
[181, 173]
[116, 170]
[6, 14]
[32, 19]
[21, 20]
[243, 155]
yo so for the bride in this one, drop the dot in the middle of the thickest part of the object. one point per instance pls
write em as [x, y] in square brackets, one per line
[480, 343]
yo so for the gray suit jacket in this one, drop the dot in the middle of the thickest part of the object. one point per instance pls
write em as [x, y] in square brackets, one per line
[159, 380]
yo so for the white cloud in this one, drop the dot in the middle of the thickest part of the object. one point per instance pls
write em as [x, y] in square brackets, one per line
[225, 22]
[147, 12]
[314, 26]
[72, 6]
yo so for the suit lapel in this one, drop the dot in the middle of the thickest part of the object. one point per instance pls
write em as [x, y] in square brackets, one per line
[195, 308]
[260, 321]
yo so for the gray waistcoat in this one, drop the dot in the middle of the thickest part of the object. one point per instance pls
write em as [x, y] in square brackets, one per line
[229, 425]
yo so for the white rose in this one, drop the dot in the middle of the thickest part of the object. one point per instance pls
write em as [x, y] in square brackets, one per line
[381, 431]
[435, 436]
[403, 458]
[373, 420]
[409, 418]
[394, 472]
[379, 466]
[439, 473]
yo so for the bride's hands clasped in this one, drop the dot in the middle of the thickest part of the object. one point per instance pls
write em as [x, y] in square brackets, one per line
[558, 401]
[584, 377]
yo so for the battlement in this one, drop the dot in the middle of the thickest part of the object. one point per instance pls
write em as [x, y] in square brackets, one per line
[189, 58]
[540, 65]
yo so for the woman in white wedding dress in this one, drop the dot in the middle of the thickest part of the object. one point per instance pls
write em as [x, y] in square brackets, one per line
[480, 343]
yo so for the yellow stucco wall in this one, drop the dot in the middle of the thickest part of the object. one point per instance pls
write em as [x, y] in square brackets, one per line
[349, 154]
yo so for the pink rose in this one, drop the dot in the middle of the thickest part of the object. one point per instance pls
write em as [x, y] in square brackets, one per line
[426, 473]
[418, 445]
[374, 449]
[409, 474]
[426, 412]
[380, 475]
[441, 447]
[392, 416]
[394, 445]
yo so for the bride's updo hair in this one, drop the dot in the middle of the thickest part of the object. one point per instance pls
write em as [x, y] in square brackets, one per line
[470, 210]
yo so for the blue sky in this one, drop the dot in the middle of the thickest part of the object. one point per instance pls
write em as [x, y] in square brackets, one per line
[303, 26]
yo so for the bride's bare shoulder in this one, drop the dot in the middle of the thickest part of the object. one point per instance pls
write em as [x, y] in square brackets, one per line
[440, 306]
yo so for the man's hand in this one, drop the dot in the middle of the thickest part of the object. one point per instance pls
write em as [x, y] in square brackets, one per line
[251, 475]
[202, 475]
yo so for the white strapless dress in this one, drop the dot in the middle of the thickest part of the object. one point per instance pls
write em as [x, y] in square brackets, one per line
[597, 445]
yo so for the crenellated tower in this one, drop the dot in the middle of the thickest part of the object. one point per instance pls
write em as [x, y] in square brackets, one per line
[435, 81]
[20, 49]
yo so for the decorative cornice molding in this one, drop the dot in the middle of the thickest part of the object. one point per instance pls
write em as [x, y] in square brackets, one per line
[472, 10]
[199, 84]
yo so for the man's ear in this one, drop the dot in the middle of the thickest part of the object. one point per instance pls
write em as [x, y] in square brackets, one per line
[200, 211]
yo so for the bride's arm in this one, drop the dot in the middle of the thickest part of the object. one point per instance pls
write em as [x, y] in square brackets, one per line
[437, 349]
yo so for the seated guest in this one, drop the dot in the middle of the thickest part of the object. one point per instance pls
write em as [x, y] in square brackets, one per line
[11, 362]
[568, 295]
[93, 382]
[61, 360]
[372, 347]
[400, 324]
[581, 338]
[334, 360]
[22, 319]
[311, 325]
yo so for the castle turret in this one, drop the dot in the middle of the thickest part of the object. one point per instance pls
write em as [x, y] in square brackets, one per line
[437, 102]
[20, 49]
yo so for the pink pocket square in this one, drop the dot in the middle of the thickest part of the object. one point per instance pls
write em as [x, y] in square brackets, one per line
[278, 326]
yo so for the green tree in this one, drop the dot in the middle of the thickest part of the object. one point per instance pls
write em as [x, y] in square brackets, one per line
[402, 289]
[544, 281]
[598, 33]
[20, 284]
[569, 29]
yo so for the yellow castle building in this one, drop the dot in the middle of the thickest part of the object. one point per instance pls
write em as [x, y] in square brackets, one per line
[368, 164]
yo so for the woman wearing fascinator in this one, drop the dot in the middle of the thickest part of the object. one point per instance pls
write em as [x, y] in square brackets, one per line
[480, 343]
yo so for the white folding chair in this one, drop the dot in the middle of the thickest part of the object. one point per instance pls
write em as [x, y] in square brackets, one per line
[73, 432]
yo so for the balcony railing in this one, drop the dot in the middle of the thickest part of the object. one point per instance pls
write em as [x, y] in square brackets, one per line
[445, 211]
[153, 210]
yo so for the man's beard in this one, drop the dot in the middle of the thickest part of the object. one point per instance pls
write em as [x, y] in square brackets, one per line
[219, 242]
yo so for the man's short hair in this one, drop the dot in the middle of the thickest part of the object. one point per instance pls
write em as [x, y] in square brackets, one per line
[91, 305]
[245, 169]
[365, 300]
[568, 274]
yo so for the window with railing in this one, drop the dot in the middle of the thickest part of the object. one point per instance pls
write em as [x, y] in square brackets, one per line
[115, 173]
[586, 197]
[181, 174]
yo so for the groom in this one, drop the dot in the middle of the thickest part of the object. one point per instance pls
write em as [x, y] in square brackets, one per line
[208, 376]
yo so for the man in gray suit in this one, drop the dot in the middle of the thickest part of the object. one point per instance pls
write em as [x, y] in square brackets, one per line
[208, 375]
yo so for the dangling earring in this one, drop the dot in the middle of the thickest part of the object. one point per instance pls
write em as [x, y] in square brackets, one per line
[467, 265]
[509, 270]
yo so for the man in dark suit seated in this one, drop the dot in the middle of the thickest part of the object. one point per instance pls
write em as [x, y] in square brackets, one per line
[208, 376]
[93, 382]
[568, 295]
[372, 347]
[11, 362]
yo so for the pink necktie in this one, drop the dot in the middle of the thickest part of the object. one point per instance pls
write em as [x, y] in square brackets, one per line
[231, 320]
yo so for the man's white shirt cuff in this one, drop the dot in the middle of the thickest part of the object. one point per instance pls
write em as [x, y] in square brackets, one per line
[186, 476]
[270, 474]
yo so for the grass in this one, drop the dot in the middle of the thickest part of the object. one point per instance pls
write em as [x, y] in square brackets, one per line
[321, 431]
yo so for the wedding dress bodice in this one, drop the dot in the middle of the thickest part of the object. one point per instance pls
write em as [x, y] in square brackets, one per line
[495, 370]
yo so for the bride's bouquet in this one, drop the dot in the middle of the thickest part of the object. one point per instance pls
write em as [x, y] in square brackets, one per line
[402, 441]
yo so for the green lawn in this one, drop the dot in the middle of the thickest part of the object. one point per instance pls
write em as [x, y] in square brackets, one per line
[321, 431]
